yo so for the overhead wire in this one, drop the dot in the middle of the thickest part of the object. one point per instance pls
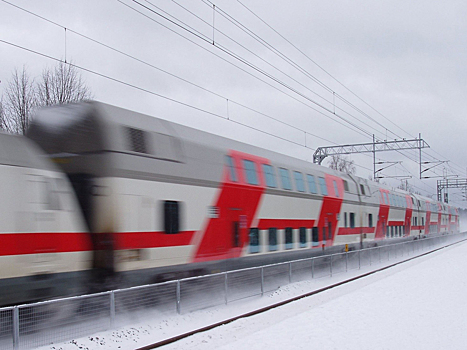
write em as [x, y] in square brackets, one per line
[288, 60]
[272, 48]
[257, 69]
[324, 70]
[175, 76]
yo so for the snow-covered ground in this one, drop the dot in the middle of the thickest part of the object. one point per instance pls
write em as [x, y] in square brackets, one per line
[420, 304]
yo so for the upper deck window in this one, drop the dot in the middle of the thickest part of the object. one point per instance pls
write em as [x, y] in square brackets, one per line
[336, 190]
[362, 189]
[346, 186]
[230, 165]
[285, 179]
[250, 172]
[311, 183]
[137, 140]
[269, 175]
[299, 181]
[322, 185]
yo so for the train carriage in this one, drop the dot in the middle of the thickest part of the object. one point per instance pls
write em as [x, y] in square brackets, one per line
[162, 200]
[44, 250]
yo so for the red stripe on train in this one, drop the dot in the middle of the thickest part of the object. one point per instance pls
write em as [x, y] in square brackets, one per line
[66, 242]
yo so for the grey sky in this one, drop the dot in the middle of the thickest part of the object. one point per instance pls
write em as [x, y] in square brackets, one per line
[404, 58]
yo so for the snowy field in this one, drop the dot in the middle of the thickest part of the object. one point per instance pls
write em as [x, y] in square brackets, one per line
[419, 304]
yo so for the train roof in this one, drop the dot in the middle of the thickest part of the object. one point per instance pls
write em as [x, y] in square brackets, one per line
[96, 127]
[16, 150]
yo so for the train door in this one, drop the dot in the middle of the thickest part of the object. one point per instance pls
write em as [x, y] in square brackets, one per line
[237, 229]
[102, 243]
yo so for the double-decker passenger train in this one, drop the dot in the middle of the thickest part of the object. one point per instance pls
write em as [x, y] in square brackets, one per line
[139, 199]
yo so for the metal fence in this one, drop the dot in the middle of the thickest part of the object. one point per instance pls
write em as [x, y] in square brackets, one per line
[33, 325]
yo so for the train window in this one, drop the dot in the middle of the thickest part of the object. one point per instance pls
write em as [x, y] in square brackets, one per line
[311, 183]
[336, 190]
[269, 175]
[314, 236]
[362, 189]
[345, 220]
[171, 217]
[299, 184]
[352, 220]
[387, 231]
[302, 234]
[386, 200]
[412, 200]
[423, 221]
[346, 186]
[288, 238]
[250, 172]
[285, 179]
[322, 185]
[51, 195]
[272, 239]
[235, 234]
[329, 230]
[137, 140]
[230, 165]
[254, 240]
[370, 220]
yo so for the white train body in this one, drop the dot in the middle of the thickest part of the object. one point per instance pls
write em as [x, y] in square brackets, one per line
[39, 217]
[159, 198]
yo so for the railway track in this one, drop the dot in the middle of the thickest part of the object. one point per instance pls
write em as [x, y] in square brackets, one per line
[284, 302]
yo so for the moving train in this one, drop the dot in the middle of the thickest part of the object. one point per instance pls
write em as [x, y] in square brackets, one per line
[99, 197]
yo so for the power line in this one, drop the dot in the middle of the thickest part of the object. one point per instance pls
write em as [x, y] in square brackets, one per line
[320, 67]
[189, 83]
[291, 62]
[244, 61]
[168, 73]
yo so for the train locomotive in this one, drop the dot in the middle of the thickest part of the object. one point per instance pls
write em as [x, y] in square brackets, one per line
[125, 199]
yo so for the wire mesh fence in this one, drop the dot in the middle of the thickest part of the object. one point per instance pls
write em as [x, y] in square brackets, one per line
[33, 325]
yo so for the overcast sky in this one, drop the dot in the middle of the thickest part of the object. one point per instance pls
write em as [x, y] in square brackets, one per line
[400, 65]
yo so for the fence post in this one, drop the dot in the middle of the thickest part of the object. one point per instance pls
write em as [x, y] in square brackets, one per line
[226, 288]
[178, 297]
[15, 328]
[290, 272]
[112, 309]
[262, 281]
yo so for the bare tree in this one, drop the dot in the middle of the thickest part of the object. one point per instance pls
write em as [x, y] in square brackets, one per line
[342, 164]
[58, 85]
[19, 103]
[2, 115]
[61, 84]
[405, 186]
